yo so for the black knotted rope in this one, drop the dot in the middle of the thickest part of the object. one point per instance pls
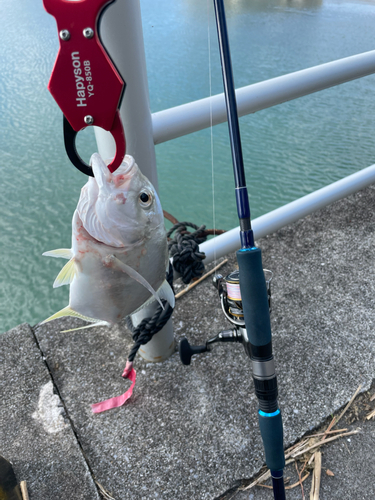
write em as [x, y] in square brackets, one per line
[148, 327]
[184, 248]
[187, 261]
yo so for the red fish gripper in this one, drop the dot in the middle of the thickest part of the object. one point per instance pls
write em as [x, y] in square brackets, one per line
[84, 82]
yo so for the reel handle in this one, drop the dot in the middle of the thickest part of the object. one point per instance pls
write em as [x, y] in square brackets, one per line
[187, 351]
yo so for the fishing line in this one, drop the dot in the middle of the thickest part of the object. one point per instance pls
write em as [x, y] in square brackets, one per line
[211, 127]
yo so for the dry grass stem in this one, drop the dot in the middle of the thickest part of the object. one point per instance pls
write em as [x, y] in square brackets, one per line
[311, 459]
[266, 475]
[195, 283]
[349, 404]
[323, 441]
[105, 493]
[315, 484]
[370, 415]
[332, 423]
[296, 445]
[290, 487]
[267, 486]
[23, 486]
[293, 449]
[372, 397]
[328, 432]
[335, 420]
[300, 478]
[298, 483]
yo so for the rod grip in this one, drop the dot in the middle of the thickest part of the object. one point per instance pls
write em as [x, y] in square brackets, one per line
[254, 296]
[271, 429]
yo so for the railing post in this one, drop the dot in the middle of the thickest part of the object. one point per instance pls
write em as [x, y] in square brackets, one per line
[122, 35]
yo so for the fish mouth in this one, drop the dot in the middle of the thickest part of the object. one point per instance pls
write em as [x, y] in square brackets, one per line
[92, 235]
[124, 173]
[125, 167]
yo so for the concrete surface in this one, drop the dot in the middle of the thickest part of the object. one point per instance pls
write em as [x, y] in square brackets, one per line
[36, 435]
[190, 432]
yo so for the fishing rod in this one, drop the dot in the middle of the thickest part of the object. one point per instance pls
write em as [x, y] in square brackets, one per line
[252, 284]
[245, 297]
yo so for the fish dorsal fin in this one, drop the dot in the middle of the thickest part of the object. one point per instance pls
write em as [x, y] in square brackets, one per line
[63, 253]
[66, 275]
[133, 274]
[68, 311]
[165, 292]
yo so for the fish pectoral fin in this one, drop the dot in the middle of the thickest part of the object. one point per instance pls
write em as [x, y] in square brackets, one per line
[165, 292]
[68, 311]
[63, 253]
[111, 259]
[66, 275]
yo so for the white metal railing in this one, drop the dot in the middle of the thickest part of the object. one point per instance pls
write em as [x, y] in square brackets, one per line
[268, 223]
[187, 118]
[194, 116]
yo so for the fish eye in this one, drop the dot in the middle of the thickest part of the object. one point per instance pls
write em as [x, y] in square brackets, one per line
[145, 199]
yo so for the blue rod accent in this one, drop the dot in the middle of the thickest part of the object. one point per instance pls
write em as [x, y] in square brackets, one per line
[249, 249]
[273, 414]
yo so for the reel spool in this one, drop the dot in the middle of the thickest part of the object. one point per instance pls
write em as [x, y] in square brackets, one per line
[233, 297]
[230, 295]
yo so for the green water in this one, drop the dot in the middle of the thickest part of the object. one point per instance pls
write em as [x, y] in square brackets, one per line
[289, 150]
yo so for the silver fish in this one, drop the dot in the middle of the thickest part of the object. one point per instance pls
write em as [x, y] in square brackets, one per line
[119, 252]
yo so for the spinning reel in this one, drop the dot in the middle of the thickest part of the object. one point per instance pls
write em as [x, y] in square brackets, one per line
[231, 304]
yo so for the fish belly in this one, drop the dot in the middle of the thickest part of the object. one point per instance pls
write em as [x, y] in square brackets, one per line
[106, 292]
